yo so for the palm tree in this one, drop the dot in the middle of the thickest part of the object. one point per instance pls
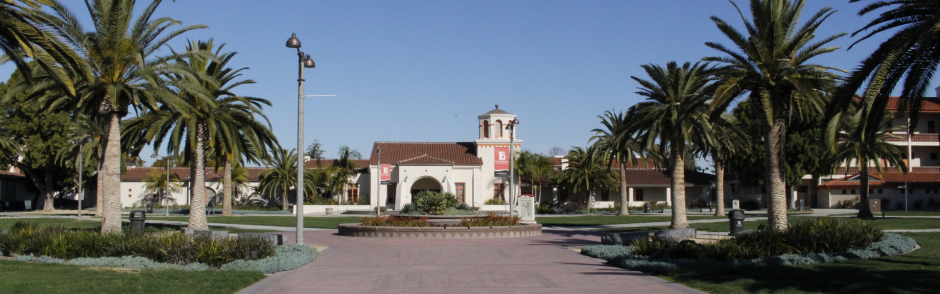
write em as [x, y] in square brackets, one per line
[535, 167]
[346, 166]
[156, 184]
[24, 32]
[911, 53]
[90, 130]
[728, 139]
[865, 141]
[773, 67]
[617, 138]
[119, 54]
[587, 168]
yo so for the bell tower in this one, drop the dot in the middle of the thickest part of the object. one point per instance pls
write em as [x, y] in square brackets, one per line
[492, 126]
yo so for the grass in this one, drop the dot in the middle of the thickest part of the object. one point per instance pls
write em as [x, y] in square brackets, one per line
[593, 220]
[278, 221]
[911, 213]
[884, 223]
[19, 277]
[915, 272]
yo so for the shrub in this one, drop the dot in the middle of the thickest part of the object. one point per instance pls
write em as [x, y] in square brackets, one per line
[455, 211]
[408, 208]
[288, 257]
[383, 209]
[494, 201]
[169, 247]
[698, 202]
[544, 209]
[573, 206]
[135, 262]
[464, 206]
[607, 252]
[321, 201]
[848, 203]
[431, 202]
[395, 221]
[490, 220]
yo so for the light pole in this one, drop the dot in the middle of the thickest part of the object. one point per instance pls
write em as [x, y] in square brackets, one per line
[81, 170]
[905, 195]
[166, 188]
[378, 179]
[512, 184]
[304, 62]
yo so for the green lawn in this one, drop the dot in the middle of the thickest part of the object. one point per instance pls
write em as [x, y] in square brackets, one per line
[916, 272]
[885, 224]
[20, 277]
[912, 213]
[593, 220]
[279, 221]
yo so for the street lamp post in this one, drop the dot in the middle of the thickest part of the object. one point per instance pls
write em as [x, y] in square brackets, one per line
[81, 193]
[512, 184]
[304, 62]
[166, 186]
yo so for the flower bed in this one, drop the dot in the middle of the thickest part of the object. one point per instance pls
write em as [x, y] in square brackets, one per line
[822, 240]
[488, 220]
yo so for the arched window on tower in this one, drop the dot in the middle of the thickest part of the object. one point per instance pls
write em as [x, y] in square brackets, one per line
[486, 129]
[499, 124]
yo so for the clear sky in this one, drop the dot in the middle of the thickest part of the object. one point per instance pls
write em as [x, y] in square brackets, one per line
[423, 70]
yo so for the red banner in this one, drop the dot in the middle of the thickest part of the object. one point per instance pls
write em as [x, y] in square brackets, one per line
[386, 173]
[501, 158]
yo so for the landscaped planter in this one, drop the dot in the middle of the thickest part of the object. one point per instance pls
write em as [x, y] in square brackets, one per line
[358, 230]
[337, 209]
[674, 236]
[625, 238]
[449, 220]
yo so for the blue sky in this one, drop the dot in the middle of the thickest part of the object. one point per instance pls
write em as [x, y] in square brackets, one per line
[423, 70]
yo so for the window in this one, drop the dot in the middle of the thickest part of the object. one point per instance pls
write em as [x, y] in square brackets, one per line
[901, 190]
[933, 156]
[931, 127]
[870, 191]
[853, 191]
[352, 193]
[7, 190]
[844, 192]
[880, 191]
[461, 192]
[499, 124]
[499, 192]
[928, 191]
[637, 194]
[486, 129]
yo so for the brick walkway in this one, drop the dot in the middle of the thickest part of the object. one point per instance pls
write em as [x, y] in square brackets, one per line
[486, 266]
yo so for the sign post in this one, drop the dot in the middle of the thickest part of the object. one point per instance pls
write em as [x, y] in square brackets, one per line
[527, 208]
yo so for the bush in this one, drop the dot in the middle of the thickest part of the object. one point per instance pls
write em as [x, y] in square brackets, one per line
[170, 247]
[464, 206]
[573, 207]
[698, 202]
[490, 220]
[288, 257]
[822, 235]
[544, 209]
[607, 252]
[455, 211]
[430, 202]
[848, 203]
[494, 201]
[395, 221]
[321, 201]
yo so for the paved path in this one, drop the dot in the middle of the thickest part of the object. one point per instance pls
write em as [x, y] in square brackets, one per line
[485, 266]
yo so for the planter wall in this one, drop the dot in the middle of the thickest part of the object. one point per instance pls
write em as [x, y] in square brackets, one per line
[357, 230]
[337, 209]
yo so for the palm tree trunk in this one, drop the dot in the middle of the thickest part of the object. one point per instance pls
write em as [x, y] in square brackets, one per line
[111, 216]
[99, 206]
[679, 219]
[284, 198]
[197, 209]
[864, 210]
[227, 189]
[624, 195]
[719, 185]
[774, 158]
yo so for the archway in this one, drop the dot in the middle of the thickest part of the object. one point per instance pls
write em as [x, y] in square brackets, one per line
[426, 184]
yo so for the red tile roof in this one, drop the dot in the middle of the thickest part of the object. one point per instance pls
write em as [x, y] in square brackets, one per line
[651, 177]
[929, 105]
[7, 174]
[457, 153]
[886, 180]
[363, 163]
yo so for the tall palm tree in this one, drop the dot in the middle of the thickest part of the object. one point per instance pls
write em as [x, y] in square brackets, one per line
[25, 32]
[728, 139]
[535, 167]
[119, 52]
[912, 53]
[346, 167]
[865, 141]
[677, 111]
[282, 175]
[90, 130]
[772, 65]
[586, 168]
[619, 140]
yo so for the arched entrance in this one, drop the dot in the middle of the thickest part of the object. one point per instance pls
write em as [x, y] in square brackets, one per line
[426, 184]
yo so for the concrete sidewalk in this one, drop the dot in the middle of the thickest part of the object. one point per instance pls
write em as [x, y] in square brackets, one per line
[479, 266]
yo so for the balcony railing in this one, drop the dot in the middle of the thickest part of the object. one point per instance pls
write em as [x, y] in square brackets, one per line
[928, 138]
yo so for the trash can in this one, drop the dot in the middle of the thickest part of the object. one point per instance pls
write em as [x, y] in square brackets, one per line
[736, 218]
[149, 207]
[646, 208]
[137, 221]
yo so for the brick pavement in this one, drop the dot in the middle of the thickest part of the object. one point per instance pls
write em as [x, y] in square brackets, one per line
[507, 265]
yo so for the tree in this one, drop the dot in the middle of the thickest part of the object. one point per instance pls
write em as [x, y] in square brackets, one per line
[119, 54]
[912, 53]
[587, 167]
[88, 132]
[346, 166]
[556, 151]
[677, 111]
[157, 185]
[315, 151]
[773, 67]
[619, 140]
[729, 139]
[868, 144]
[281, 176]
[537, 168]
